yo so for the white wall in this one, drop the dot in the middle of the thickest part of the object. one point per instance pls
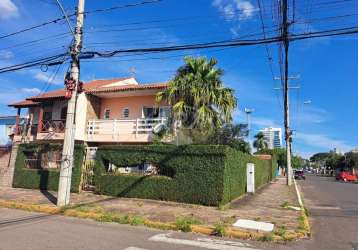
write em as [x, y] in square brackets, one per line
[4, 138]
[81, 117]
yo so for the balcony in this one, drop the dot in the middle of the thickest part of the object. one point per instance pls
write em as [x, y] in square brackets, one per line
[51, 130]
[53, 126]
[137, 130]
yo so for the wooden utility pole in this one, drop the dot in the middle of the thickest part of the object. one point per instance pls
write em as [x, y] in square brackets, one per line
[69, 140]
[285, 26]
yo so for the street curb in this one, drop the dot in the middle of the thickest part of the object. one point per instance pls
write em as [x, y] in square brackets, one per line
[116, 218]
[304, 221]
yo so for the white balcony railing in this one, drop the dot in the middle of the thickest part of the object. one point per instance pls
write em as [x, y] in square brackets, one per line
[116, 128]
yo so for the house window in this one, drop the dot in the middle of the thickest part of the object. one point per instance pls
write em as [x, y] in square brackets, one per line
[126, 113]
[150, 112]
[64, 113]
[47, 116]
[107, 113]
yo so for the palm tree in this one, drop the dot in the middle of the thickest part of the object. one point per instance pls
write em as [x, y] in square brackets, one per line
[260, 143]
[197, 95]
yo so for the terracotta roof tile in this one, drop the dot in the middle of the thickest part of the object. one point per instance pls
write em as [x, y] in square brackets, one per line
[87, 86]
[95, 86]
[24, 103]
[130, 87]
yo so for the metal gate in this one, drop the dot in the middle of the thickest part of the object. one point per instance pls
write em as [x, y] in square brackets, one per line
[88, 176]
[87, 183]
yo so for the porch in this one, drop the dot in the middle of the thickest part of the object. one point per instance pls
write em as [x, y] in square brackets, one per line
[123, 130]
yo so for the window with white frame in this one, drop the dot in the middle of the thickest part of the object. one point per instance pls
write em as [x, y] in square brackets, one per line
[107, 113]
[154, 112]
[125, 113]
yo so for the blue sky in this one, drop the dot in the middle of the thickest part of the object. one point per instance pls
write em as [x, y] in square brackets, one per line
[326, 66]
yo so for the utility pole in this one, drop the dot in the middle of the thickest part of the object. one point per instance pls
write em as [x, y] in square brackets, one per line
[285, 26]
[69, 139]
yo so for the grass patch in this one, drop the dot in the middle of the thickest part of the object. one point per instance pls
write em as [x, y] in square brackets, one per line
[137, 221]
[219, 229]
[223, 207]
[267, 237]
[89, 208]
[285, 204]
[184, 223]
[280, 231]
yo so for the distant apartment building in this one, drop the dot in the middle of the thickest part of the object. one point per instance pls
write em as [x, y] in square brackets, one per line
[273, 136]
[355, 151]
[337, 151]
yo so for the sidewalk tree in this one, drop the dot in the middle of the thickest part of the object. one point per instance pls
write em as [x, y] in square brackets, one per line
[198, 96]
[260, 142]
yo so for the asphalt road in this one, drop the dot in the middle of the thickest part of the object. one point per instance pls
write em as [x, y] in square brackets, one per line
[24, 230]
[333, 208]
[334, 218]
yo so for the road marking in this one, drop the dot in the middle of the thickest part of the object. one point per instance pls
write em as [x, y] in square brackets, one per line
[135, 248]
[224, 242]
[256, 225]
[215, 244]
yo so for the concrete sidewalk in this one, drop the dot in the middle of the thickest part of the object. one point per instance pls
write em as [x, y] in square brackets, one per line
[265, 206]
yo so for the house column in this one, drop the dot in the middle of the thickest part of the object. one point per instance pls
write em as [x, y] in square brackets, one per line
[40, 119]
[17, 126]
[30, 123]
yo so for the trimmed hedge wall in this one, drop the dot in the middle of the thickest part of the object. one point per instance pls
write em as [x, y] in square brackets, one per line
[45, 179]
[199, 174]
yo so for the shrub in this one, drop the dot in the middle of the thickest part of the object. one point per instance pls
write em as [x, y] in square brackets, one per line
[199, 174]
[219, 229]
[184, 223]
[136, 221]
[45, 179]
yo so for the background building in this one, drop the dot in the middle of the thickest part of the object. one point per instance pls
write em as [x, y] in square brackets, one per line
[7, 126]
[273, 136]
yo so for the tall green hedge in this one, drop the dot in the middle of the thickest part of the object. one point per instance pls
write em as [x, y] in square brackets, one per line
[200, 174]
[45, 179]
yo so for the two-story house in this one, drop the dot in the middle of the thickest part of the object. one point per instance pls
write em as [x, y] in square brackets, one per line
[108, 111]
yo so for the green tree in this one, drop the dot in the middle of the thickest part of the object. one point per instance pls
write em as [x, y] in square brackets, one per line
[260, 142]
[334, 160]
[197, 95]
[230, 135]
[240, 145]
[280, 154]
[351, 160]
[319, 157]
[297, 162]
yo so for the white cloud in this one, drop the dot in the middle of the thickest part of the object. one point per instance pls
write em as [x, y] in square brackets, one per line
[6, 54]
[46, 77]
[264, 122]
[311, 115]
[8, 9]
[31, 90]
[235, 9]
[247, 9]
[322, 141]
